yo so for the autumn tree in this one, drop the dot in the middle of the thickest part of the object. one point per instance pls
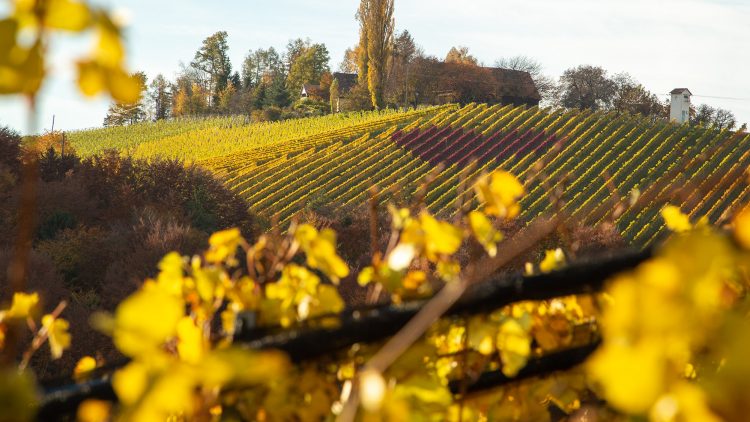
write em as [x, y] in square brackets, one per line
[212, 60]
[120, 114]
[350, 62]
[189, 96]
[334, 95]
[308, 63]
[376, 33]
[460, 55]
[160, 97]
[586, 87]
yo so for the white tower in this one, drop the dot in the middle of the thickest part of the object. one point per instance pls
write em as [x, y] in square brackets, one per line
[680, 105]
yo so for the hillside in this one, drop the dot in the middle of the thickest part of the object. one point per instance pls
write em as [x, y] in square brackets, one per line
[280, 167]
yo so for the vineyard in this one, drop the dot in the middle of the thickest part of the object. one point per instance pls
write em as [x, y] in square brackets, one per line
[595, 157]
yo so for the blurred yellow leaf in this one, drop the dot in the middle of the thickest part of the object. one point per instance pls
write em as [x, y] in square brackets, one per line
[320, 250]
[190, 342]
[329, 301]
[94, 411]
[484, 232]
[514, 343]
[500, 192]
[57, 334]
[84, 367]
[130, 382]
[482, 334]
[742, 228]
[23, 305]
[414, 279]
[145, 320]
[171, 274]
[223, 244]
[631, 376]
[675, 220]
[67, 15]
[553, 260]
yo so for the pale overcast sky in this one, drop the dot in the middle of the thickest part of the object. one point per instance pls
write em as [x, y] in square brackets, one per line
[664, 44]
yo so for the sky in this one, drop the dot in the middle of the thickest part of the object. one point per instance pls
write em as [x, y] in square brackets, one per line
[663, 44]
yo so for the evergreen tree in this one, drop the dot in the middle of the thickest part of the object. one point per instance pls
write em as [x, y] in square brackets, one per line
[161, 98]
[278, 94]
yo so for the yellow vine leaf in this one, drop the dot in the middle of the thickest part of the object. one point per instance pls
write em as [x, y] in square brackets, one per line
[500, 192]
[145, 320]
[484, 232]
[94, 411]
[553, 260]
[223, 244]
[190, 343]
[514, 343]
[742, 228]
[57, 334]
[83, 368]
[482, 335]
[171, 274]
[675, 220]
[631, 376]
[130, 382]
[320, 250]
[23, 305]
[67, 15]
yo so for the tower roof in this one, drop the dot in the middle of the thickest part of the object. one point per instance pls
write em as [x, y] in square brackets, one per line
[680, 91]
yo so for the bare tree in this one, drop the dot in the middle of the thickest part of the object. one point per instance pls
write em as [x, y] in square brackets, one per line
[719, 118]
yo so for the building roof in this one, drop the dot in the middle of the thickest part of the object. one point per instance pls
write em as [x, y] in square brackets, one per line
[346, 81]
[680, 91]
[311, 90]
[515, 83]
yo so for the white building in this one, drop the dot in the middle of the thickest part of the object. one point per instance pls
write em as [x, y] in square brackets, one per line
[679, 107]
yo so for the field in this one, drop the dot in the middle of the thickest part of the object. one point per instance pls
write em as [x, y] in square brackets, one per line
[595, 157]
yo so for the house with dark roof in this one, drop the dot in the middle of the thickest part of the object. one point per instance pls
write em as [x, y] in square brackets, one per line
[312, 91]
[438, 82]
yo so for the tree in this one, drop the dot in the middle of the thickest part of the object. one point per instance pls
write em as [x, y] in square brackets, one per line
[277, 93]
[351, 58]
[261, 65]
[308, 66]
[544, 84]
[376, 32]
[120, 114]
[460, 55]
[213, 60]
[632, 97]
[586, 87]
[719, 118]
[160, 97]
[334, 95]
[404, 51]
